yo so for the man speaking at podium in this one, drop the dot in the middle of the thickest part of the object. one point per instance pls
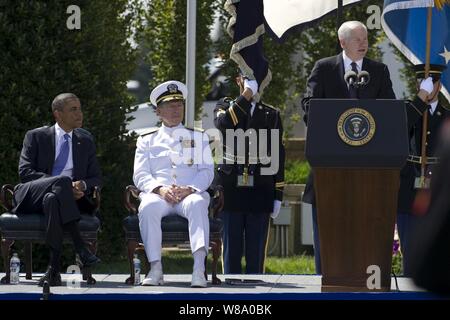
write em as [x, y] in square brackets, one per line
[332, 78]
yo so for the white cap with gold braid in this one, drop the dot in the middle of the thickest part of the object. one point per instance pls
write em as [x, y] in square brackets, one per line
[167, 91]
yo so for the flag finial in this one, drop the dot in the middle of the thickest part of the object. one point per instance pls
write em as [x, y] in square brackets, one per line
[441, 3]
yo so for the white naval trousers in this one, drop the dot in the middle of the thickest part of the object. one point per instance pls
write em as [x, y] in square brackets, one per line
[153, 208]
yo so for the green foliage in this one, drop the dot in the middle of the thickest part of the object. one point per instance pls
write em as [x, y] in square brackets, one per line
[41, 58]
[407, 73]
[296, 172]
[164, 37]
[397, 264]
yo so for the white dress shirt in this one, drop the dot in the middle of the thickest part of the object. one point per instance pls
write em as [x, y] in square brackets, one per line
[59, 140]
[433, 106]
[348, 63]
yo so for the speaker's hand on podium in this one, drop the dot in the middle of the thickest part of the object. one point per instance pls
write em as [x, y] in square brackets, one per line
[276, 209]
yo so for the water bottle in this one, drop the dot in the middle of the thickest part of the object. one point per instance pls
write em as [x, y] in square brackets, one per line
[14, 267]
[137, 270]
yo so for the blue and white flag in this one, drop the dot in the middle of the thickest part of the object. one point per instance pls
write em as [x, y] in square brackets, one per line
[405, 24]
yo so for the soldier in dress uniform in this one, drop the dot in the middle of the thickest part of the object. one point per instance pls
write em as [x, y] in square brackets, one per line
[252, 193]
[173, 167]
[410, 174]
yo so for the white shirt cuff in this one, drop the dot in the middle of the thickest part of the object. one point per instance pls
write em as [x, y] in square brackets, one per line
[252, 85]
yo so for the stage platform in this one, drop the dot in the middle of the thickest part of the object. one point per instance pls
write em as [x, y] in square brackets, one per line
[177, 287]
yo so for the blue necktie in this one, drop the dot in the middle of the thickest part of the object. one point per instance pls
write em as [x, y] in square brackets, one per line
[63, 155]
[353, 92]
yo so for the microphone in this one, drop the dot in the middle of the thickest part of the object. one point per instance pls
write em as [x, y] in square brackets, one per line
[363, 78]
[351, 78]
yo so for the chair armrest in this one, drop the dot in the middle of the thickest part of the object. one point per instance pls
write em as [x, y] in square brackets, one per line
[97, 196]
[5, 200]
[8, 189]
[217, 200]
[131, 192]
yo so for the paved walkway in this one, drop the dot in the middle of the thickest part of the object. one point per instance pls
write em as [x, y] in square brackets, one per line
[113, 286]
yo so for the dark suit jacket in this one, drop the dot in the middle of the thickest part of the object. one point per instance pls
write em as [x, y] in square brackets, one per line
[327, 81]
[38, 156]
[37, 159]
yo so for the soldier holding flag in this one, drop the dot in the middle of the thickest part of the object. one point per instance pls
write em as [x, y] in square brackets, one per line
[253, 180]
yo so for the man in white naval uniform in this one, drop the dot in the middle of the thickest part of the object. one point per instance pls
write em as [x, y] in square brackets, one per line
[173, 167]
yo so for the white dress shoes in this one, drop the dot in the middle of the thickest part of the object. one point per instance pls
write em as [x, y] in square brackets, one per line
[154, 278]
[198, 280]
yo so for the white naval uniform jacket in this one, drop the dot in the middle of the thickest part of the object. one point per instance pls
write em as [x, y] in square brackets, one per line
[175, 155]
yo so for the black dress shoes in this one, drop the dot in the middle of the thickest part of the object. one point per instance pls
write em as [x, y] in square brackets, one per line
[52, 277]
[88, 259]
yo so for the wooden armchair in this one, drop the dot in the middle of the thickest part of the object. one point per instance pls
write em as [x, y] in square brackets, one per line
[174, 229]
[30, 228]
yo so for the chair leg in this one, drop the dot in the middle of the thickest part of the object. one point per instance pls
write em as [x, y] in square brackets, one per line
[216, 248]
[28, 260]
[131, 247]
[87, 271]
[6, 247]
[206, 268]
[146, 268]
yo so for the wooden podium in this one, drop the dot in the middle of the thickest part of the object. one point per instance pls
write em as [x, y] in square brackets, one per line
[356, 149]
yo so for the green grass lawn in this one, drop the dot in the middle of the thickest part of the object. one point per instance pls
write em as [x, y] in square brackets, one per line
[180, 262]
[303, 264]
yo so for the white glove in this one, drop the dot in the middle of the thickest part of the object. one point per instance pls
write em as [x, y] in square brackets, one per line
[276, 209]
[252, 85]
[427, 85]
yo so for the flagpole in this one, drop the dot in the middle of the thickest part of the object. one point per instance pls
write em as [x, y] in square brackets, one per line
[338, 24]
[423, 164]
[190, 61]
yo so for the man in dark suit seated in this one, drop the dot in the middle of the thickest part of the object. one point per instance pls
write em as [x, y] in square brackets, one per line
[58, 170]
[327, 81]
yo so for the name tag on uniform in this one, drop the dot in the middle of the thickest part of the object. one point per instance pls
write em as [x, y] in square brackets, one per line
[245, 181]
